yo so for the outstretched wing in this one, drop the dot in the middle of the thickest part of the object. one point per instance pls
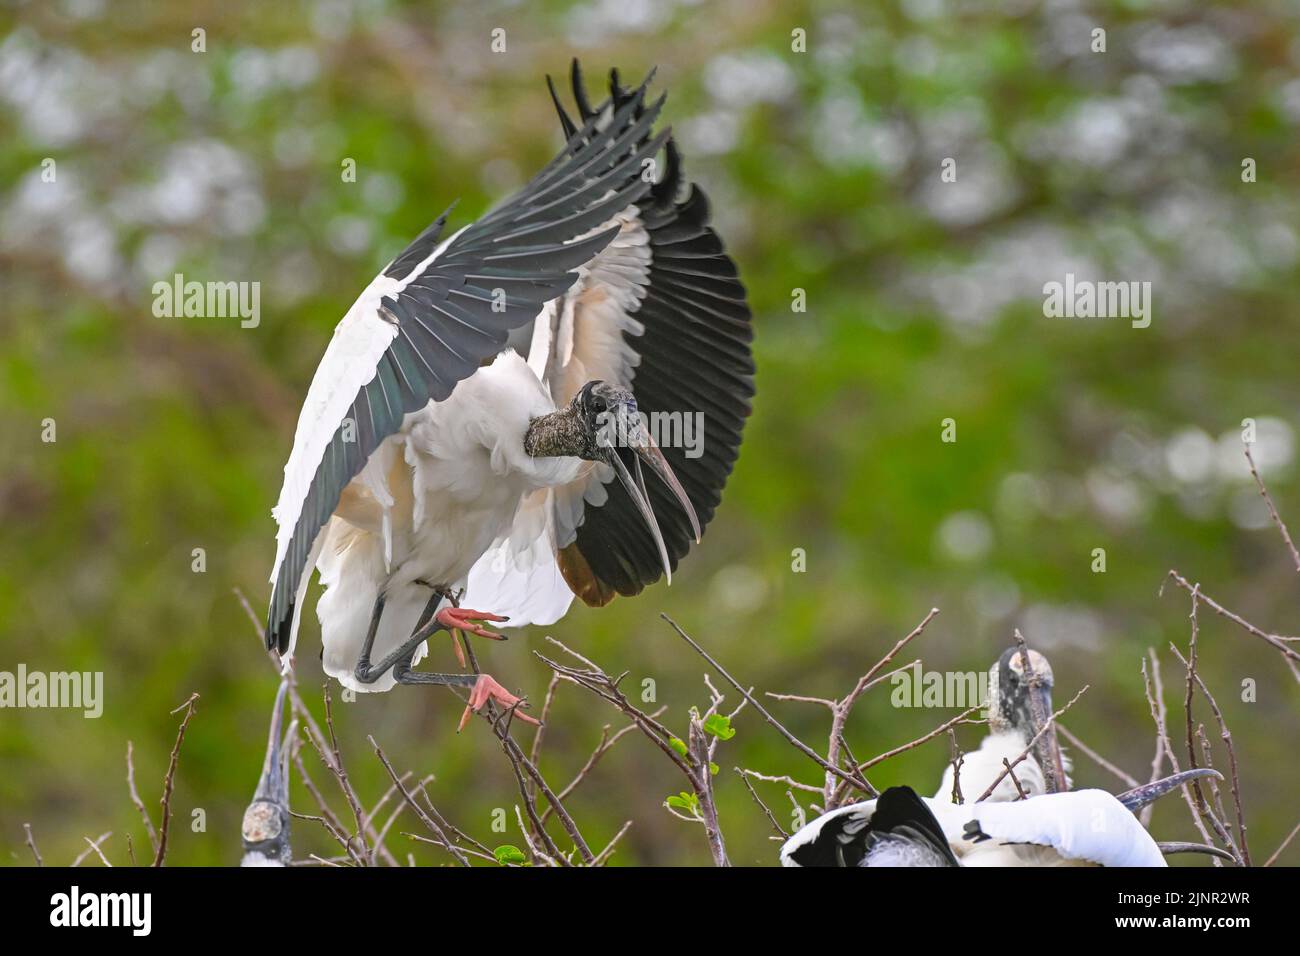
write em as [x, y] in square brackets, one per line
[437, 312]
[1084, 826]
[659, 310]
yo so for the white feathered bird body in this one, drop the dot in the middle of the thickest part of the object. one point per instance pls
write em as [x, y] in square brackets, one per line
[432, 502]
[408, 469]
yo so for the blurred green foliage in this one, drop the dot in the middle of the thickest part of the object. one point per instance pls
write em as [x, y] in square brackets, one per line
[923, 303]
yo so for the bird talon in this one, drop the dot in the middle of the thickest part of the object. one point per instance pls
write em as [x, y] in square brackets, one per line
[466, 619]
[487, 688]
[457, 637]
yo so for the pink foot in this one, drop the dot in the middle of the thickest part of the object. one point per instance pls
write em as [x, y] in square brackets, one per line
[457, 619]
[467, 619]
[486, 688]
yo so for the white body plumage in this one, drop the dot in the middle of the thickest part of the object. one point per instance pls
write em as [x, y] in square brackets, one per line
[981, 767]
[432, 502]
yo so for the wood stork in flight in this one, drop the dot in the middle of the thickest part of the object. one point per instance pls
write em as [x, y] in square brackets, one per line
[1079, 828]
[477, 402]
[1014, 698]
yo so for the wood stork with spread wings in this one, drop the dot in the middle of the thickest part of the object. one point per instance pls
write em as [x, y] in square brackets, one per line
[1020, 700]
[1079, 828]
[471, 414]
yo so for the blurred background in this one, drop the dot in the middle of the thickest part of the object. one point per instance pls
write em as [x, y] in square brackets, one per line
[924, 301]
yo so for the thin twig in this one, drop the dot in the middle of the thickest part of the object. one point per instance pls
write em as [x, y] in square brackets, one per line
[1272, 511]
[744, 778]
[780, 728]
[1156, 702]
[460, 836]
[535, 754]
[1051, 721]
[94, 848]
[530, 804]
[334, 831]
[135, 798]
[1014, 779]
[783, 779]
[697, 744]
[605, 854]
[345, 784]
[957, 759]
[1273, 640]
[1285, 843]
[333, 824]
[840, 711]
[170, 780]
[924, 738]
[1232, 758]
[419, 811]
[1128, 779]
[1190, 664]
[606, 743]
[31, 842]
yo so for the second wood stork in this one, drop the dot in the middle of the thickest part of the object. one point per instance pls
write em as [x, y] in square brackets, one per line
[1018, 700]
[471, 414]
[1079, 828]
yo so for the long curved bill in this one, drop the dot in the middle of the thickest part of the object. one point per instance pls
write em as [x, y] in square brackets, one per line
[265, 827]
[636, 491]
[1170, 848]
[1048, 748]
[640, 442]
[273, 785]
[1139, 797]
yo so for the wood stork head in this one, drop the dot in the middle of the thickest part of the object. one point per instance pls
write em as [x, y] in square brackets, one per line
[265, 828]
[602, 424]
[1012, 691]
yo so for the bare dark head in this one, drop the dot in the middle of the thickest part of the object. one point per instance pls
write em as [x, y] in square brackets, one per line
[609, 416]
[602, 423]
[1010, 689]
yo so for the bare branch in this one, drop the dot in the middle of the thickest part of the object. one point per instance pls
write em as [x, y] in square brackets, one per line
[1232, 756]
[345, 784]
[790, 738]
[1155, 699]
[1285, 843]
[419, 811]
[1098, 759]
[93, 847]
[1275, 641]
[170, 779]
[1051, 721]
[1272, 511]
[605, 854]
[31, 843]
[135, 798]
[744, 778]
